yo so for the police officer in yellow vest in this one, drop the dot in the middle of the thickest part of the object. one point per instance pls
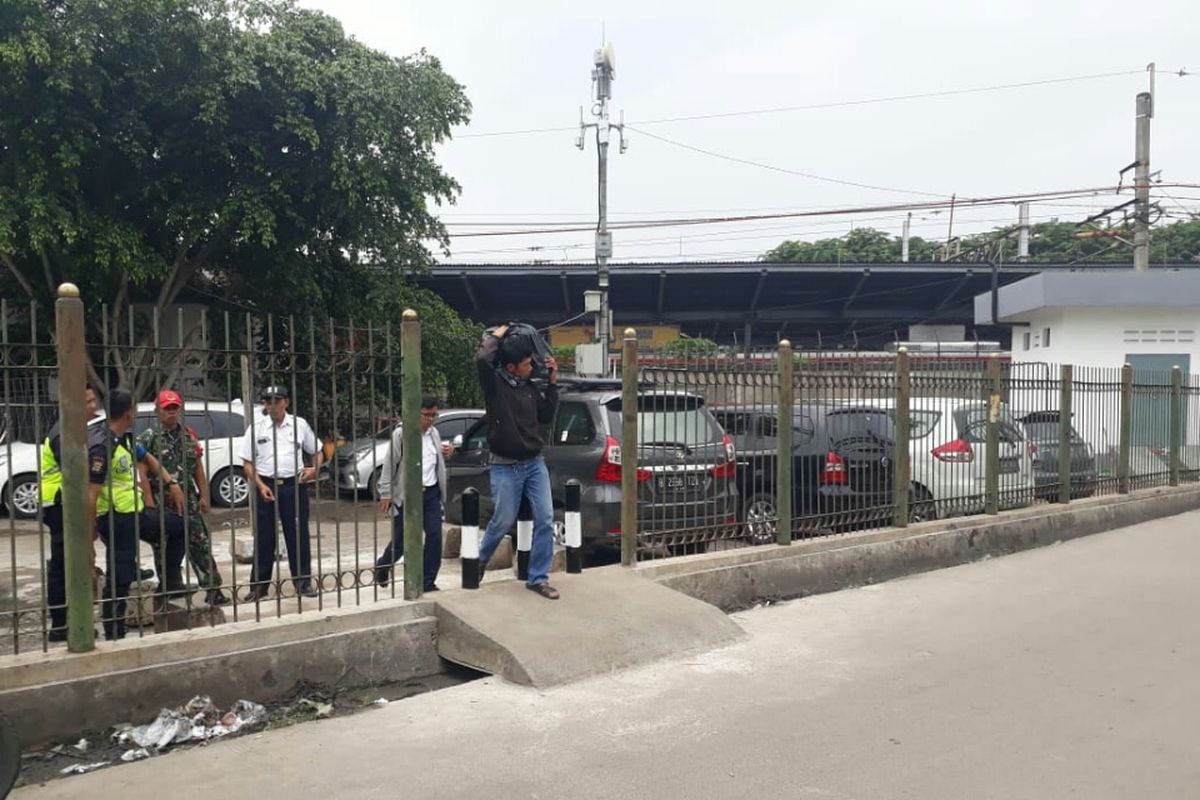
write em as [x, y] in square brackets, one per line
[115, 503]
[51, 491]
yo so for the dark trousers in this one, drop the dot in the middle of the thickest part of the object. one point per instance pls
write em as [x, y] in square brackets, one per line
[120, 534]
[431, 509]
[291, 509]
[199, 547]
[56, 568]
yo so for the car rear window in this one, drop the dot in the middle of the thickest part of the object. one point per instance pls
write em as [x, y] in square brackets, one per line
[860, 423]
[1047, 431]
[669, 420]
[920, 423]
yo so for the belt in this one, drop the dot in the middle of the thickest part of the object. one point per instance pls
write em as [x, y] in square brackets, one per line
[280, 481]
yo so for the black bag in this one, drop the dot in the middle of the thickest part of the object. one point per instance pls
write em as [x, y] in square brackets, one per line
[529, 340]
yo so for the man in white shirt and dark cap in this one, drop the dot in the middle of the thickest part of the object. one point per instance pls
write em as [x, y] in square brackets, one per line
[272, 453]
[433, 495]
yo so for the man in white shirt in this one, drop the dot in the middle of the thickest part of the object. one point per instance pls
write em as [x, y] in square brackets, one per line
[272, 454]
[433, 479]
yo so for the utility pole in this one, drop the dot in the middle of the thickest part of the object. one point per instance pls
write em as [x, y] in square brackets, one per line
[1023, 233]
[1141, 183]
[904, 239]
[603, 74]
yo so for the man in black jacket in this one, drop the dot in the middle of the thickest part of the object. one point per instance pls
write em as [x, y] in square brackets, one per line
[516, 410]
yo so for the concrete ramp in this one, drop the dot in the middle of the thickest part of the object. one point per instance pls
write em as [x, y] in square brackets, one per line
[607, 619]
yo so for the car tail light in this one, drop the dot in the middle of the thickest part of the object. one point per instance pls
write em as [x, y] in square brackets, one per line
[835, 469]
[610, 464]
[729, 468]
[956, 452]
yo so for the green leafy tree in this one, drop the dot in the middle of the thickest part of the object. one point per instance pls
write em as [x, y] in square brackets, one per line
[159, 150]
[1053, 242]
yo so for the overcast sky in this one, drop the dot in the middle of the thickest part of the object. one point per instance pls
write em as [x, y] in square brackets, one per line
[527, 65]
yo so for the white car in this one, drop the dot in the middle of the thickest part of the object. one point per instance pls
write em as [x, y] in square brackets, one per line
[948, 442]
[358, 464]
[220, 427]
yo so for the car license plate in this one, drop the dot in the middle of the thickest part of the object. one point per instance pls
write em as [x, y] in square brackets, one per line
[678, 481]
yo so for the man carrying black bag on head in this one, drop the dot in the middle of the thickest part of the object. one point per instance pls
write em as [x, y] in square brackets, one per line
[517, 408]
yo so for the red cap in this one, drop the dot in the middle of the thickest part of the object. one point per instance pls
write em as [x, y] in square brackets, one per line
[168, 397]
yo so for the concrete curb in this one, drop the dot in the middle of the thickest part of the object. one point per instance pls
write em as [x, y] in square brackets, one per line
[56, 695]
[737, 579]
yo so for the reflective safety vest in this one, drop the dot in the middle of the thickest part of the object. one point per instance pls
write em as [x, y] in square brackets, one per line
[51, 474]
[120, 491]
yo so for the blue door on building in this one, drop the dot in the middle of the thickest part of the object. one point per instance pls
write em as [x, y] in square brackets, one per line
[1151, 417]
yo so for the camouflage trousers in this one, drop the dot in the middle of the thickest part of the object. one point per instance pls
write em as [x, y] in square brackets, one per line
[199, 551]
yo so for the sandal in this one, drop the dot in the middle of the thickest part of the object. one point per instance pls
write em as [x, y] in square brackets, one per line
[544, 589]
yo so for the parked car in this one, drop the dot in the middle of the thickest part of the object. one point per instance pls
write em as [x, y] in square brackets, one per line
[948, 438]
[686, 466]
[1042, 431]
[841, 465]
[359, 463]
[218, 425]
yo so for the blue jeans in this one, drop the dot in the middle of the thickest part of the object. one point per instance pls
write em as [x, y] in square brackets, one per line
[509, 482]
[431, 513]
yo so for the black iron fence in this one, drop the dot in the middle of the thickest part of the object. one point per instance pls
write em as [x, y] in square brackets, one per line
[677, 456]
[343, 380]
[887, 439]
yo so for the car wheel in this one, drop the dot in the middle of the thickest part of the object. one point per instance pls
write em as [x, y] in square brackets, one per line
[560, 533]
[24, 497]
[760, 519]
[373, 483]
[229, 488]
[921, 506]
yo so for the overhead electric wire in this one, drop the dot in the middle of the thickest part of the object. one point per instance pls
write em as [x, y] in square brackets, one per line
[783, 233]
[837, 103]
[971, 202]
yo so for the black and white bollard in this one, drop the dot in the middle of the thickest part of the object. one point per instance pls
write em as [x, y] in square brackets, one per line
[574, 527]
[469, 547]
[524, 537]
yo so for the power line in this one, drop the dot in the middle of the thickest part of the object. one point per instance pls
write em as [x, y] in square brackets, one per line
[841, 103]
[784, 170]
[1063, 194]
[784, 231]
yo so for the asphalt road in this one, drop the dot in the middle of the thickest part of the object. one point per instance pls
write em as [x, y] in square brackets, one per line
[1072, 671]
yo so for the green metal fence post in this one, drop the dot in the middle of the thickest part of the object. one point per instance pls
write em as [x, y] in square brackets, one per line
[410, 420]
[629, 447]
[1123, 455]
[1067, 384]
[900, 458]
[1176, 423]
[992, 464]
[783, 457]
[77, 538]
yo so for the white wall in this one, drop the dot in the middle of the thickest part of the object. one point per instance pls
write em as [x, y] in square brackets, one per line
[1102, 337]
[1098, 337]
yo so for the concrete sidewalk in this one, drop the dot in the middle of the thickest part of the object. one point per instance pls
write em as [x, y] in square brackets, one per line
[1069, 671]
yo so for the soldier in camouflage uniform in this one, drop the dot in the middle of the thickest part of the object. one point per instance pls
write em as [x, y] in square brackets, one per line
[179, 450]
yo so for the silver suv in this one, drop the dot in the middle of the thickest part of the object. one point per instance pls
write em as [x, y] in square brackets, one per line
[687, 490]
